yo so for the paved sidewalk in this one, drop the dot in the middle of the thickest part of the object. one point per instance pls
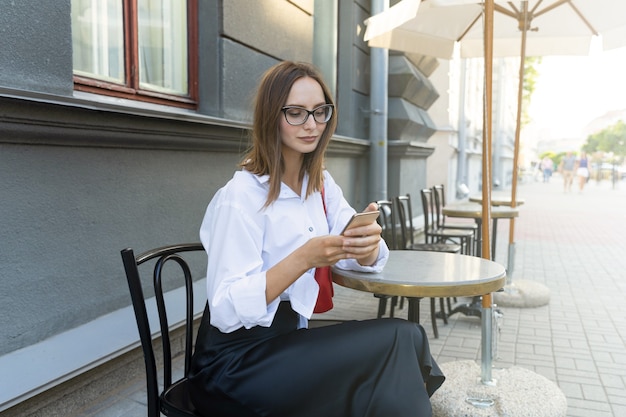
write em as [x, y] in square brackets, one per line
[575, 244]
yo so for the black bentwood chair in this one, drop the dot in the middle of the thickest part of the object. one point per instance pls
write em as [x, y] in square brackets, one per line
[174, 399]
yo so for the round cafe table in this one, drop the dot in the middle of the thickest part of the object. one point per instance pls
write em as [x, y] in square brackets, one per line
[418, 274]
[427, 274]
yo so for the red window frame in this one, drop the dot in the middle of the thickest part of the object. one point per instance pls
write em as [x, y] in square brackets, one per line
[131, 89]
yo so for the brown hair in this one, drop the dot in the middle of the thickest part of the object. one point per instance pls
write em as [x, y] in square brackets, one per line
[265, 156]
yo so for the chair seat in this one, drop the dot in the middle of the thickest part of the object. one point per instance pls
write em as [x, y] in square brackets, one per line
[436, 247]
[175, 401]
[451, 233]
[465, 226]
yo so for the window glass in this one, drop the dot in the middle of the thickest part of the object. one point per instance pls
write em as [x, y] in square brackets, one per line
[162, 36]
[98, 39]
[137, 49]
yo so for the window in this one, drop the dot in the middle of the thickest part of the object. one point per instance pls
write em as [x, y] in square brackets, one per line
[139, 49]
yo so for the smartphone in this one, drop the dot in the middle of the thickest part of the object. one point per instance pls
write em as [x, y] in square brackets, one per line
[360, 219]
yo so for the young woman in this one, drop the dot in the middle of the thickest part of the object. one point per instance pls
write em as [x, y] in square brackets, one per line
[582, 171]
[266, 233]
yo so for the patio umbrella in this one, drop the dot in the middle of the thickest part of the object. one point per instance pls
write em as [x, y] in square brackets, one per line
[487, 316]
[523, 28]
[520, 28]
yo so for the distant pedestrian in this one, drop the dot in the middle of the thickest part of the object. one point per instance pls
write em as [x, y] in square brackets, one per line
[547, 166]
[566, 168]
[583, 171]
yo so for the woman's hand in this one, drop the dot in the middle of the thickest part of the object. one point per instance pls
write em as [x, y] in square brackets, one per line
[362, 243]
[316, 252]
[324, 250]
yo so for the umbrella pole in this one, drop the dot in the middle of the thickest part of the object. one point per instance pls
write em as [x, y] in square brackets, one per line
[524, 25]
[487, 308]
[487, 131]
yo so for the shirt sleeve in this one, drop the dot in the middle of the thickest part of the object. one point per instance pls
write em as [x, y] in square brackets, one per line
[235, 279]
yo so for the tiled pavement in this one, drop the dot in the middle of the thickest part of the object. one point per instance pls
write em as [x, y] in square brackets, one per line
[573, 243]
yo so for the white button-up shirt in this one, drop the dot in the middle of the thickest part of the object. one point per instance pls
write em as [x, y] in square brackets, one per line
[243, 240]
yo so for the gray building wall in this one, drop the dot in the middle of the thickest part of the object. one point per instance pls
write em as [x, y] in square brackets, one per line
[84, 176]
[36, 46]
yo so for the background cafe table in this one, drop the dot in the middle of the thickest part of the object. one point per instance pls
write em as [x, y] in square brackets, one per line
[475, 211]
[418, 274]
[498, 199]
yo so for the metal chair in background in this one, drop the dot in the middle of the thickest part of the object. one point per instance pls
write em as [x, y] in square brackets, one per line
[407, 241]
[439, 195]
[435, 234]
[407, 230]
[387, 223]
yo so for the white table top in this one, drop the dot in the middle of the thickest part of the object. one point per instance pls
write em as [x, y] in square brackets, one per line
[427, 274]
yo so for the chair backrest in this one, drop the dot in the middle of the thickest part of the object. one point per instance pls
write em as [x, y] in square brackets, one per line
[405, 219]
[440, 201]
[162, 256]
[387, 221]
[429, 210]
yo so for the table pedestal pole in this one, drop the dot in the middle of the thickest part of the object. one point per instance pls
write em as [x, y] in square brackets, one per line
[486, 341]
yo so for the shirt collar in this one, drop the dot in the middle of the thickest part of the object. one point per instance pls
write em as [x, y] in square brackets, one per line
[286, 191]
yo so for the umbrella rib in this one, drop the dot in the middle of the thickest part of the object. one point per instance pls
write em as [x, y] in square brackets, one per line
[505, 11]
[471, 25]
[584, 19]
[534, 9]
[515, 9]
[574, 8]
[552, 6]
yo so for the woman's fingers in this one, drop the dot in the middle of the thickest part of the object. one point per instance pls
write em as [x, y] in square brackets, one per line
[372, 229]
[362, 245]
[358, 243]
[326, 250]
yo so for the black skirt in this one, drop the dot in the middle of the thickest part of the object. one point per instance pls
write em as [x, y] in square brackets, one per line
[371, 368]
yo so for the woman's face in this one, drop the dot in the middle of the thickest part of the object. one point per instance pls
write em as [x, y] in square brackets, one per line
[302, 139]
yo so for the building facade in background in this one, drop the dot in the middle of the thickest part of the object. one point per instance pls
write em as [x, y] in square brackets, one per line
[119, 119]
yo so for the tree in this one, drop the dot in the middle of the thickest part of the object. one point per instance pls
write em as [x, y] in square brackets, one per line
[609, 140]
[530, 79]
[612, 143]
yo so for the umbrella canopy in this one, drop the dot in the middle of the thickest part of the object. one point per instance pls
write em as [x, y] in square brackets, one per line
[553, 27]
[424, 27]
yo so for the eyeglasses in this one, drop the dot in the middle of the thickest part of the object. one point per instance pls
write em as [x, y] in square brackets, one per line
[297, 116]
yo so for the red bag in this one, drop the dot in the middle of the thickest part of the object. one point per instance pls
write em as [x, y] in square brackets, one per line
[323, 276]
[324, 279]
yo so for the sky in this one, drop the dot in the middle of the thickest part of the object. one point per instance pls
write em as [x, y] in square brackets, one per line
[572, 91]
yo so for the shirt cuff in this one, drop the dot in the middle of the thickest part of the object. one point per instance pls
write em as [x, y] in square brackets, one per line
[303, 294]
[250, 304]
